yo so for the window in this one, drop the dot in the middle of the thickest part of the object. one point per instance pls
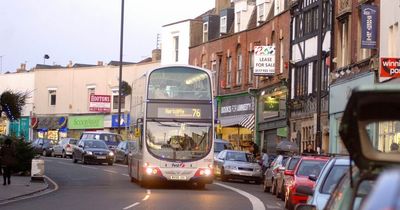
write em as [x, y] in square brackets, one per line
[260, 13]
[251, 66]
[344, 43]
[176, 45]
[205, 32]
[115, 99]
[229, 72]
[281, 56]
[301, 80]
[223, 27]
[239, 67]
[91, 90]
[237, 21]
[52, 97]
[392, 39]
[311, 21]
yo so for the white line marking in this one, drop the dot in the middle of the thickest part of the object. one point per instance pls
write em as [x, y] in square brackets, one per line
[128, 207]
[273, 207]
[148, 192]
[255, 202]
[145, 198]
[114, 172]
[91, 167]
[125, 175]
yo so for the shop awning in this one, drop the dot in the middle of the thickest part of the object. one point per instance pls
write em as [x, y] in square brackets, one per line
[248, 121]
[230, 121]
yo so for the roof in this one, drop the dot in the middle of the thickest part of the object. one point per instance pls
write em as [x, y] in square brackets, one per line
[44, 66]
[116, 63]
[146, 60]
[77, 65]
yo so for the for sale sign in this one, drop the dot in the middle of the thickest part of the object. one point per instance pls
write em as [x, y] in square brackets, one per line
[264, 60]
[100, 103]
[390, 67]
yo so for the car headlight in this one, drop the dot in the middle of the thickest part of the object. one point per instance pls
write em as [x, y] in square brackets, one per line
[111, 153]
[229, 167]
[89, 153]
[258, 169]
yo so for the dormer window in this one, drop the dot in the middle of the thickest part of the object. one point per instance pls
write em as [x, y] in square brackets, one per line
[260, 13]
[223, 27]
[205, 32]
[238, 21]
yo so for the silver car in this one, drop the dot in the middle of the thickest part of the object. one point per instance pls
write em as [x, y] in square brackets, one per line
[233, 164]
[64, 147]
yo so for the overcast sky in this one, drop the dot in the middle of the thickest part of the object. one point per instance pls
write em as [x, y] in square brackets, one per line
[85, 31]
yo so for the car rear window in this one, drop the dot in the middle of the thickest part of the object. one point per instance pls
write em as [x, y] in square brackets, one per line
[308, 167]
[219, 146]
[73, 141]
[292, 164]
[333, 178]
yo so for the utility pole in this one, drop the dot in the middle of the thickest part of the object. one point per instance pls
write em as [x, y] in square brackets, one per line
[318, 135]
[120, 67]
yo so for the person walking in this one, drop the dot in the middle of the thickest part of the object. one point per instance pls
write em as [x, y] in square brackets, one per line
[7, 154]
[309, 150]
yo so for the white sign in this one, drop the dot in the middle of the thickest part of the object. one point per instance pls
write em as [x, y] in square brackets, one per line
[264, 60]
[100, 103]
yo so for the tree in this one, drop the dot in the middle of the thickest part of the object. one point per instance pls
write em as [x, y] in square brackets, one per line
[12, 102]
[126, 89]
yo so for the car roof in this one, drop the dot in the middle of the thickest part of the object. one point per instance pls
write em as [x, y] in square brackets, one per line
[238, 151]
[314, 158]
[100, 132]
[345, 161]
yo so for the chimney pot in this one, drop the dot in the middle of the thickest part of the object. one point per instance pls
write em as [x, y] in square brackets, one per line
[100, 63]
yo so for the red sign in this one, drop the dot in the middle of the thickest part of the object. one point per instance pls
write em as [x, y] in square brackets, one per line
[100, 103]
[390, 67]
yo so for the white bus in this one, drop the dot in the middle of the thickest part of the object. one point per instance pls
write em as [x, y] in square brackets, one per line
[172, 108]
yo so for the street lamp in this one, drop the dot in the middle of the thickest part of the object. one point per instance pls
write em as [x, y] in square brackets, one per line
[120, 66]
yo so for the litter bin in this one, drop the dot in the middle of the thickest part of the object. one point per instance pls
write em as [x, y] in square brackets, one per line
[37, 171]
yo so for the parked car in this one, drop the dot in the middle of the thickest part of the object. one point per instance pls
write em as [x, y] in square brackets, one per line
[64, 147]
[271, 172]
[233, 164]
[219, 145]
[308, 166]
[286, 176]
[111, 139]
[123, 149]
[368, 110]
[92, 151]
[326, 182]
[43, 146]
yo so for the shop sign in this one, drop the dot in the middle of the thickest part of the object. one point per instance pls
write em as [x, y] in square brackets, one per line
[237, 106]
[125, 120]
[368, 26]
[86, 122]
[390, 67]
[264, 60]
[100, 103]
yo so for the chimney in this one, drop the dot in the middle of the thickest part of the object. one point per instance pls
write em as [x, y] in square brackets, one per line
[221, 4]
[22, 68]
[156, 55]
[69, 64]
[100, 63]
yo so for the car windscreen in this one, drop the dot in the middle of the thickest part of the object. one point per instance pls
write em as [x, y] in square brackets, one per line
[95, 144]
[333, 178]
[308, 167]
[292, 164]
[73, 141]
[239, 156]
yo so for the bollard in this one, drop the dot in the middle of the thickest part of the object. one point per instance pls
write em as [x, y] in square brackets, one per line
[37, 170]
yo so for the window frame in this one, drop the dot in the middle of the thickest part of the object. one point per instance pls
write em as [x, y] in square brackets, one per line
[52, 92]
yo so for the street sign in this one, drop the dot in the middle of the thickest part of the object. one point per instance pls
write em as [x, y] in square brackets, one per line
[264, 60]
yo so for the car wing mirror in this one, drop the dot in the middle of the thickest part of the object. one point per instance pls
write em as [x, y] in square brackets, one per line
[313, 177]
[305, 190]
[289, 172]
[303, 206]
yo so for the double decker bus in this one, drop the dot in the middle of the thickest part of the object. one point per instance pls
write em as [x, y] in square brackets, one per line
[172, 108]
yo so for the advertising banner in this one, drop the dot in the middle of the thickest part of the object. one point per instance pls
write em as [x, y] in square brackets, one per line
[237, 106]
[100, 103]
[389, 68]
[368, 26]
[264, 60]
[86, 122]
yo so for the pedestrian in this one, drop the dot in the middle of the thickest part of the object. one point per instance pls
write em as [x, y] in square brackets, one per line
[309, 150]
[7, 154]
[264, 160]
[254, 149]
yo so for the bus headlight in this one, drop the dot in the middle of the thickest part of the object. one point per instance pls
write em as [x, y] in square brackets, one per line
[149, 171]
[111, 153]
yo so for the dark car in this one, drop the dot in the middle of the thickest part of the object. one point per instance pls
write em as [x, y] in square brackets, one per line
[111, 139]
[42, 146]
[123, 149]
[276, 166]
[92, 151]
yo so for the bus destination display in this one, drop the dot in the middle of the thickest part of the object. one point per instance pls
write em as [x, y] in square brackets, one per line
[179, 111]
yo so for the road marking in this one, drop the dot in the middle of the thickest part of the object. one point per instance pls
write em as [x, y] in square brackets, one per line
[91, 167]
[128, 207]
[125, 175]
[273, 207]
[255, 202]
[146, 197]
[114, 172]
[148, 192]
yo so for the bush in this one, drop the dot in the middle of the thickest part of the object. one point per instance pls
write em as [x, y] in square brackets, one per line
[24, 156]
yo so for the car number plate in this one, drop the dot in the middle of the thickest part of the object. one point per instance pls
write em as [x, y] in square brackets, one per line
[101, 157]
[178, 177]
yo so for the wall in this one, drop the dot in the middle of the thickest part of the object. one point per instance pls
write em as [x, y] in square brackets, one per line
[181, 29]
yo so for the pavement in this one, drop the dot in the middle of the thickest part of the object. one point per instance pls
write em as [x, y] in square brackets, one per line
[20, 186]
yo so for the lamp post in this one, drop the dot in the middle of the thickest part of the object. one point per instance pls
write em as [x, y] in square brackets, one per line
[120, 66]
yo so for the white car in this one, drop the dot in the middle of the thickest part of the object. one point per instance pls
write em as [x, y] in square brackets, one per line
[64, 147]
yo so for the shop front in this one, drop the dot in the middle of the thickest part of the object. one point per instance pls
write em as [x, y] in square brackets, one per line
[51, 127]
[80, 123]
[236, 118]
[111, 124]
[20, 128]
[3, 125]
[272, 121]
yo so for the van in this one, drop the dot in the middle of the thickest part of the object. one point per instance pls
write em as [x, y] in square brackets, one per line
[111, 139]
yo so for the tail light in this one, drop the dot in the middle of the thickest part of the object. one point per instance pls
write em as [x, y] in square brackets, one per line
[68, 146]
[151, 171]
[204, 172]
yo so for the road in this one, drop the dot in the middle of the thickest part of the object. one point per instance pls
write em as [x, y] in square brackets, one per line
[108, 187]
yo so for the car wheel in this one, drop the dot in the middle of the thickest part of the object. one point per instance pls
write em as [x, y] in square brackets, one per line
[83, 160]
[273, 188]
[223, 177]
[125, 160]
[266, 188]
[74, 159]
[288, 205]
[110, 163]
[44, 153]
[52, 153]
[63, 154]
[283, 192]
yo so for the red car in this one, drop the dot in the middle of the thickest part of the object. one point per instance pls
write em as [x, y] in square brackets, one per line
[304, 174]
